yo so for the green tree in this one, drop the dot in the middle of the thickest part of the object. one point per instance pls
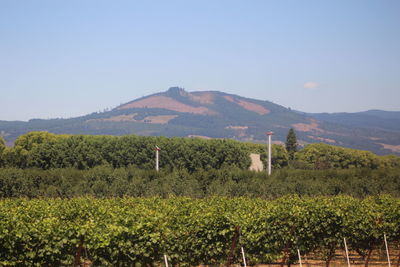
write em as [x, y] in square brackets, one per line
[324, 156]
[26, 143]
[291, 143]
[2, 148]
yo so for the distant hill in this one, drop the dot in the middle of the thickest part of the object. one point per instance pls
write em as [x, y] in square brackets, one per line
[378, 119]
[213, 114]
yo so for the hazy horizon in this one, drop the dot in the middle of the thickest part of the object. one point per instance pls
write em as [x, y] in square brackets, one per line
[61, 59]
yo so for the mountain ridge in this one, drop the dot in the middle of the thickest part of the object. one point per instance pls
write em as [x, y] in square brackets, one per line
[215, 114]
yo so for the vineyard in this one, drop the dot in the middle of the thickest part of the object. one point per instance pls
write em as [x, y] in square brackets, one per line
[105, 181]
[65, 199]
[139, 231]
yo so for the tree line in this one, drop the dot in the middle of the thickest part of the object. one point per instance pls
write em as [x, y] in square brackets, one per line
[46, 151]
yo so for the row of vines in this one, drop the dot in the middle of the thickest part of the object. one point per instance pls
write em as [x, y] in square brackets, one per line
[125, 231]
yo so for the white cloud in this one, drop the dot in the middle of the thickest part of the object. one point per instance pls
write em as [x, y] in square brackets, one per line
[311, 85]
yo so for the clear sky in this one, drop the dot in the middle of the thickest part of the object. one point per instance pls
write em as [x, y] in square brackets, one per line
[74, 57]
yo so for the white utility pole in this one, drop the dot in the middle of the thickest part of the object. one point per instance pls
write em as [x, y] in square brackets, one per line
[387, 249]
[244, 258]
[157, 149]
[347, 252]
[298, 253]
[166, 260]
[269, 151]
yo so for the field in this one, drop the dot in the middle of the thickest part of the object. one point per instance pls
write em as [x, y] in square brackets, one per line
[123, 231]
[66, 199]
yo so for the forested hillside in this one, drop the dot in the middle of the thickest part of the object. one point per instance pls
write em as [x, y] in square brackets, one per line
[213, 114]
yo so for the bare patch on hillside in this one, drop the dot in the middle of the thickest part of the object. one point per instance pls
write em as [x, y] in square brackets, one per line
[202, 98]
[308, 127]
[237, 127]
[248, 105]
[394, 148]
[199, 136]
[328, 140]
[4, 134]
[161, 119]
[280, 126]
[240, 130]
[375, 138]
[313, 126]
[169, 103]
[128, 117]
[304, 127]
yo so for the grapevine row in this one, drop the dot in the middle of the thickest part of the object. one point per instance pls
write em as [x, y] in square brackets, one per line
[123, 231]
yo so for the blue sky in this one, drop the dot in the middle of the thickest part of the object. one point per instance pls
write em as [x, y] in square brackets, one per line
[69, 58]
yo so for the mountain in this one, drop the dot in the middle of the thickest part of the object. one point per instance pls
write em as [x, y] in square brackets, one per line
[374, 119]
[213, 114]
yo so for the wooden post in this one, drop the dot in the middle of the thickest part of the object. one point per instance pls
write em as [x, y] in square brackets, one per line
[233, 246]
[286, 252]
[77, 261]
[368, 257]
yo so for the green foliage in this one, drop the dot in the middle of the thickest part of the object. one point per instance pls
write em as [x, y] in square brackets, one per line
[125, 231]
[106, 181]
[46, 151]
[2, 148]
[2, 143]
[291, 143]
[28, 142]
[390, 161]
[323, 156]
